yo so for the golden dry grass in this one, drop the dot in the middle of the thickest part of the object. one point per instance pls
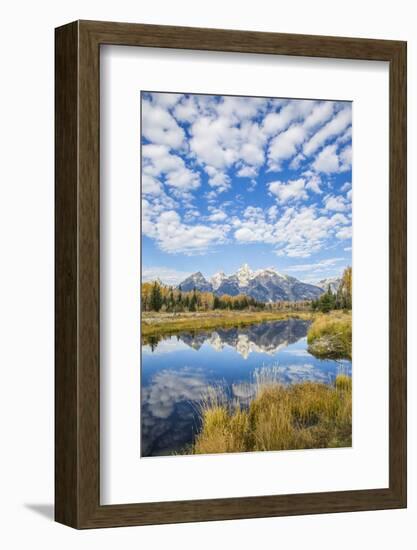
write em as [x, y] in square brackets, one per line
[168, 323]
[330, 335]
[302, 416]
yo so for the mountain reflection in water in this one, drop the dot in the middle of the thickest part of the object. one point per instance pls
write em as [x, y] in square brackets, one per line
[177, 370]
[262, 338]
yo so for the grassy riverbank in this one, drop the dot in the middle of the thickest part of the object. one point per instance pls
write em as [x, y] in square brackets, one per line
[330, 335]
[300, 416]
[154, 324]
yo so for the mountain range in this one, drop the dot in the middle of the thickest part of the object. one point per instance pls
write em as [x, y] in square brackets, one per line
[264, 285]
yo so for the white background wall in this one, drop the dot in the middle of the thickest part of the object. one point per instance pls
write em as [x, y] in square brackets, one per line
[26, 272]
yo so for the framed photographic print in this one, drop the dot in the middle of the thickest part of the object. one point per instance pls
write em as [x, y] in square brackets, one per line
[230, 274]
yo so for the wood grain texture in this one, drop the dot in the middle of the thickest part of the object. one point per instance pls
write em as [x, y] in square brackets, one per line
[78, 284]
[66, 237]
[398, 273]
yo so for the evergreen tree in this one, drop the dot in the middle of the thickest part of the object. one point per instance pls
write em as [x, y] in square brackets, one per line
[179, 299]
[171, 301]
[156, 297]
[326, 302]
[193, 301]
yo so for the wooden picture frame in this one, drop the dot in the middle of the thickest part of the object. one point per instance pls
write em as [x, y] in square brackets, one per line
[77, 374]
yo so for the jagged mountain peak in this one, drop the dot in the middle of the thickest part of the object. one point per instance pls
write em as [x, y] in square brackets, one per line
[244, 274]
[270, 271]
[244, 269]
[196, 281]
[265, 285]
[217, 279]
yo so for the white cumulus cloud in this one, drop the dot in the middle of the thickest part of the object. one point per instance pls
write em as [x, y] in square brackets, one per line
[333, 128]
[285, 191]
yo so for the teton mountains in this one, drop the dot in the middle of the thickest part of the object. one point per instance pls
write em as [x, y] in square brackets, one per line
[264, 285]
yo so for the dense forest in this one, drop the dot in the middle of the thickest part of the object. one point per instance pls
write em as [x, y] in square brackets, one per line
[159, 297]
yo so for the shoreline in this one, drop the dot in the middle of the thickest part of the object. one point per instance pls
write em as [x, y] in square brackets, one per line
[154, 324]
[330, 335]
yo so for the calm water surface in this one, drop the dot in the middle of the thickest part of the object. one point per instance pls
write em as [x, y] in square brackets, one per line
[177, 370]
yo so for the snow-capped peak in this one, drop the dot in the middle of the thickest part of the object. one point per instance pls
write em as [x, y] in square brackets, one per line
[244, 275]
[270, 271]
[217, 279]
[264, 285]
[198, 276]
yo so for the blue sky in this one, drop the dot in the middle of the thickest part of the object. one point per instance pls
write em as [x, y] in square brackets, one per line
[231, 180]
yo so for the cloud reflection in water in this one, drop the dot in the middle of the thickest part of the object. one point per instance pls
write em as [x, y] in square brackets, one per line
[177, 371]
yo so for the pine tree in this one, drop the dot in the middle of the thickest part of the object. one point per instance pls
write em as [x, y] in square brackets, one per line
[171, 300]
[156, 297]
[193, 301]
[326, 302]
[179, 299]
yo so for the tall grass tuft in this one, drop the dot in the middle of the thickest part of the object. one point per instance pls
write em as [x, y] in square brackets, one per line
[330, 335]
[301, 416]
